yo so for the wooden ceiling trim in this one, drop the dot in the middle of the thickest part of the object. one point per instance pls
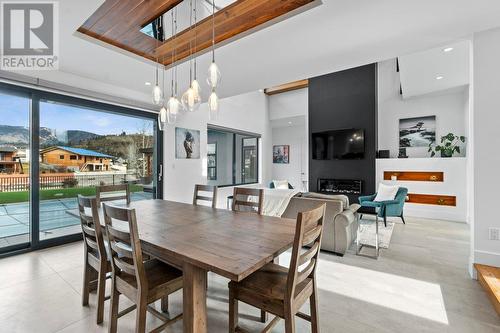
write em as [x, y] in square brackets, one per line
[287, 87]
[118, 22]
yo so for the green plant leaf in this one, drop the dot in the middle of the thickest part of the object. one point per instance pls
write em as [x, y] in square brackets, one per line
[433, 154]
[438, 148]
[457, 148]
[448, 144]
[462, 138]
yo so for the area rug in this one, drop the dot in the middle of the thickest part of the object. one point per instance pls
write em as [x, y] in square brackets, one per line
[367, 233]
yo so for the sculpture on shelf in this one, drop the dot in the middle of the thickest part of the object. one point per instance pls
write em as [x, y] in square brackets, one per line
[450, 144]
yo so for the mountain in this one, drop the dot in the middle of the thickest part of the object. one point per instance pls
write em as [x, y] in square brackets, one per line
[19, 136]
[75, 137]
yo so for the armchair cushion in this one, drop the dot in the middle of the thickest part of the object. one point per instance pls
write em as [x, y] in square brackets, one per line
[386, 192]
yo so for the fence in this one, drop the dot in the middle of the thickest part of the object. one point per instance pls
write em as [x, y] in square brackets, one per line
[21, 183]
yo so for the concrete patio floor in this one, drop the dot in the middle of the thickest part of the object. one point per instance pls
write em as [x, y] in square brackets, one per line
[14, 218]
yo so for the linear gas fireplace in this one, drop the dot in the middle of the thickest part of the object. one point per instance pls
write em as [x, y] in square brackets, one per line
[340, 186]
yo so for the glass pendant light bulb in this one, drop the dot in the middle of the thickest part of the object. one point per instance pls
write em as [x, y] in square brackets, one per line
[157, 95]
[214, 76]
[190, 100]
[196, 87]
[213, 106]
[173, 106]
[162, 118]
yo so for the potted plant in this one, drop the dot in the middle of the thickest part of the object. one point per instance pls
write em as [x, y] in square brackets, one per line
[449, 145]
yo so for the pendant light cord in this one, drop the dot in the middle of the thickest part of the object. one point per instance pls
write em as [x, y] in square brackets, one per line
[213, 30]
[190, 42]
[195, 37]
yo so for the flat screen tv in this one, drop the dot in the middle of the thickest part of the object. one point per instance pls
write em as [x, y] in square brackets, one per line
[344, 144]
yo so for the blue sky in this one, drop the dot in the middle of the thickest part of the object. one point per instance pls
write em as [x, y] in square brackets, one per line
[14, 111]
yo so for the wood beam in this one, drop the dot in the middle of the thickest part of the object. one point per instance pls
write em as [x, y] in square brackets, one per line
[287, 87]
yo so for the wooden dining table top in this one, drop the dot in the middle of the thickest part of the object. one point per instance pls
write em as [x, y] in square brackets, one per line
[231, 244]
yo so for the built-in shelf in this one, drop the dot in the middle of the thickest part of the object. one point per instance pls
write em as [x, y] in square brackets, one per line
[417, 176]
[432, 199]
[489, 278]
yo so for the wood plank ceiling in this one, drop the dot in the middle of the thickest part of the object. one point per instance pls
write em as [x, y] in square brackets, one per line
[118, 22]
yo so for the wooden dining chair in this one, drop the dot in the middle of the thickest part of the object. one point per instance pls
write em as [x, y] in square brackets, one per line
[143, 282]
[197, 196]
[241, 196]
[97, 264]
[119, 192]
[281, 291]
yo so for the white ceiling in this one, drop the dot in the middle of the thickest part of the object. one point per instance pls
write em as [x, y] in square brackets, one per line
[335, 35]
[435, 70]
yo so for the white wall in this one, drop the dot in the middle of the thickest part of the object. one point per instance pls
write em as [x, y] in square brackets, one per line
[295, 137]
[289, 117]
[247, 112]
[449, 109]
[486, 145]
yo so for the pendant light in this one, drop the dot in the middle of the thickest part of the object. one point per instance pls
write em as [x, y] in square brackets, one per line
[194, 84]
[214, 76]
[157, 93]
[173, 104]
[163, 114]
[190, 100]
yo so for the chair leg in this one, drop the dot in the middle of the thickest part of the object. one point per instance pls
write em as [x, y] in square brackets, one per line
[313, 303]
[233, 312]
[164, 304]
[360, 216]
[263, 316]
[113, 308]
[101, 289]
[289, 321]
[402, 218]
[385, 220]
[140, 315]
[86, 282]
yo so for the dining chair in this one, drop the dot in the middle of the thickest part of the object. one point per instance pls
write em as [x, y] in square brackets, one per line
[197, 196]
[281, 291]
[119, 192]
[96, 260]
[143, 282]
[241, 196]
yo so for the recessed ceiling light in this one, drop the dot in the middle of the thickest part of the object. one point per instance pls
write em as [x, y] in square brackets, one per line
[147, 83]
[289, 123]
[439, 77]
[448, 49]
[261, 90]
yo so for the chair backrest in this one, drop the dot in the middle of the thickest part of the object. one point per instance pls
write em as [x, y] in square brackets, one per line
[124, 243]
[122, 192]
[271, 185]
[205, 188]
[309, 231]
[248, 193]
[91, 227]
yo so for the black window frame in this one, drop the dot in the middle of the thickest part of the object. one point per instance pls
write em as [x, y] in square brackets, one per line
[235, 164]
[36, 96]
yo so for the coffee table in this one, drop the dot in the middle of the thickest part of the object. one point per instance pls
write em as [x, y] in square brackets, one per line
[373, 211]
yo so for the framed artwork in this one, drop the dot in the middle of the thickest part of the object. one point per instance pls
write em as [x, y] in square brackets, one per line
[417, 132]
[187, 143]
[212, 161]
[281, 154]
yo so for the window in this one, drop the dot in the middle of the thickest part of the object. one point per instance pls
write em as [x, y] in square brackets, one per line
[232, 157]
[61, 157]
[72, 157]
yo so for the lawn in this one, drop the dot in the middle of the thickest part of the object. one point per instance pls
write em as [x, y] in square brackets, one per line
[14, 197]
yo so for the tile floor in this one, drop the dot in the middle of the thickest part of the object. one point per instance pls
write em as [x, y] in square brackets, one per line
[419, 284]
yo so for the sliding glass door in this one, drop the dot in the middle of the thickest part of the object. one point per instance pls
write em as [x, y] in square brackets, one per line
[15, 225]
[76, 145]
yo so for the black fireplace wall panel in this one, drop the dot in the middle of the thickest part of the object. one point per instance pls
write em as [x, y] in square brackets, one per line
[345, 100]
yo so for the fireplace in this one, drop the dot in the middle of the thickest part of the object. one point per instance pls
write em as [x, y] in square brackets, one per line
[339, 186]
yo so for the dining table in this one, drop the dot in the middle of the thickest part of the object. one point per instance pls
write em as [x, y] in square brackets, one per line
[200, 239]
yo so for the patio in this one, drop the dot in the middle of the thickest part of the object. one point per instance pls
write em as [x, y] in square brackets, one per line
[14, 219]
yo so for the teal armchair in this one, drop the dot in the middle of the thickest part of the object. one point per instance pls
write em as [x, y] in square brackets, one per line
[387, 208]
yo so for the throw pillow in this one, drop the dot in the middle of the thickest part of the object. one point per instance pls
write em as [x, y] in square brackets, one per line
[280, 184]
[386, 192]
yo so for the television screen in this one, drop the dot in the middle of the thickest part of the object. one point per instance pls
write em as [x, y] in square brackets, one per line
[346, 144]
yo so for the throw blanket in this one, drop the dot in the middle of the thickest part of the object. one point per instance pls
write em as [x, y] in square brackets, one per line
[276, 201]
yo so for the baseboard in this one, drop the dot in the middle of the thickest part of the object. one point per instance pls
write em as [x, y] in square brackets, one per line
[487, 258]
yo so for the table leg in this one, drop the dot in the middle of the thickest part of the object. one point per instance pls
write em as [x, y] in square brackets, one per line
[357, 234]
[195, 299]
